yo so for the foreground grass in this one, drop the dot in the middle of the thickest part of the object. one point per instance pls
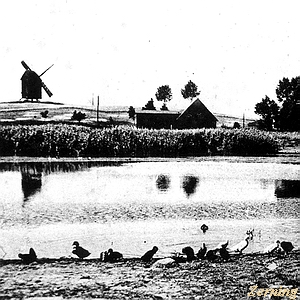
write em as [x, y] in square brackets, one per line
[58, 140]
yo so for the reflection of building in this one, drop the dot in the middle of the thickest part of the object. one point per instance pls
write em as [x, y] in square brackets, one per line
[31, 180]
[195, 116]
[287, 188]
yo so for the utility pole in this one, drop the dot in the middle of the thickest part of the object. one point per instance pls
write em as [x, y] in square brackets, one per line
[243, 120]
[97, 110]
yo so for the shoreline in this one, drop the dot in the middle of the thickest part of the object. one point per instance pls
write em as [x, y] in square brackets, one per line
[133, 279]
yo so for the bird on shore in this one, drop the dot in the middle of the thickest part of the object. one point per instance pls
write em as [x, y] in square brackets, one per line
[149, 254]
[241, 246]
[287, 246]
[79, 251]
[28, 258]
[211, 255]
[204, 228]
[113, 256]
[272, 248]
[224, 253]
[202, 251]
[189, 252]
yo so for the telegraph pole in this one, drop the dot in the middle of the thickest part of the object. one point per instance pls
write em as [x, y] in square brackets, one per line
[97, 110]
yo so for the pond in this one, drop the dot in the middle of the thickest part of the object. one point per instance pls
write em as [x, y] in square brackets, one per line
[132, 206]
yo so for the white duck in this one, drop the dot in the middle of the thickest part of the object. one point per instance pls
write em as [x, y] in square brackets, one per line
[222, 245]
[241, 246]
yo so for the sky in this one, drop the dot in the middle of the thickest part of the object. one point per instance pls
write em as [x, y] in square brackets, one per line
[122, 50]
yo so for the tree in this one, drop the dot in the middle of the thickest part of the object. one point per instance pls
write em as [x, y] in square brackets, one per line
[190, 91]
[78, 116]
[288, 93]
[164, 93]
[131, 112]
[285, 117]
[268, 110]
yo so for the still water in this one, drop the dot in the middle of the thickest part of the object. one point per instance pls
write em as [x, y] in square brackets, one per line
[132, 206]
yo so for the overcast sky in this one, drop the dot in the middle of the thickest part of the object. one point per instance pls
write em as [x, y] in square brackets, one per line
[235, 51]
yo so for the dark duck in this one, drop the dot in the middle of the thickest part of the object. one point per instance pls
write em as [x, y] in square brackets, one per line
[189, 252]
[204, 228]
[287, 246]
[224, 253]
[28, 258]
[149, 254]
[113, 256]
[202, 251]
[211, 255]
[79, 251]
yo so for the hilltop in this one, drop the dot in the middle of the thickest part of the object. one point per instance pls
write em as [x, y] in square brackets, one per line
[30, 112]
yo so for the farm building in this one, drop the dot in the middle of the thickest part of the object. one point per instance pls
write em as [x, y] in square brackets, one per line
[156, 119]
[194, 116]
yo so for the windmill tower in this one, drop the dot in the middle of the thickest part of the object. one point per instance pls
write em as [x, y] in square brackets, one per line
[32, 84]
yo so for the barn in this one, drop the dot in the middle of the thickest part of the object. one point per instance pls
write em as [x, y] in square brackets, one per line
[194, 116]
[156, 119]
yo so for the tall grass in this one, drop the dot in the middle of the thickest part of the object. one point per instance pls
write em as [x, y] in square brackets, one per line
[70, 140]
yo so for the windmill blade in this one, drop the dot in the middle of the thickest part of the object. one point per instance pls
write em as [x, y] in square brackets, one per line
[46, 89]
[25, 65]
[46, 70]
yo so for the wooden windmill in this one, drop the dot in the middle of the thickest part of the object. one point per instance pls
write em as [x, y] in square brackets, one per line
[32, 84]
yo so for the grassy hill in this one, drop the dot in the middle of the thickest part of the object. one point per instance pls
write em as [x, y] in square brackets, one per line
[30, 112]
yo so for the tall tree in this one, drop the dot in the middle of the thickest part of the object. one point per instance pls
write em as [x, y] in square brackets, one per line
[190, 91]
[268, 110]
[288, 93]
[164, 93]
[286, 116]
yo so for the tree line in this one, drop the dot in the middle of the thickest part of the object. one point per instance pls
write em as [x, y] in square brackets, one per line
[284, 113]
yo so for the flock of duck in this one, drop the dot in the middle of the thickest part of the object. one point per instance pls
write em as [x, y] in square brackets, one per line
[221, 251]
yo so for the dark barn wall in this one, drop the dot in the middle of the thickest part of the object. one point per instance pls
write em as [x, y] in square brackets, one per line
[156, 120]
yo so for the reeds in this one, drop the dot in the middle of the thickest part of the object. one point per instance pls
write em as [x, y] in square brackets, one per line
[58, 140]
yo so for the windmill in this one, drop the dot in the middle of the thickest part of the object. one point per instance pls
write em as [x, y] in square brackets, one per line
[32, 84]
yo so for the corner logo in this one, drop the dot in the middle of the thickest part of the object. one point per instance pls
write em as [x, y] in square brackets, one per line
[281, 291]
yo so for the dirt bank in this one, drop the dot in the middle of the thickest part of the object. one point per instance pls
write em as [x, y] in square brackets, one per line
[133, 279]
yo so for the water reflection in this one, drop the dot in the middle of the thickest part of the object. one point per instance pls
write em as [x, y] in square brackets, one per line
[31, 180]
[189, 184]
[287, 188]
[163, 182]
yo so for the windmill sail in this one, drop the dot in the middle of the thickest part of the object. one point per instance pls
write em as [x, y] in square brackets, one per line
[46, 89]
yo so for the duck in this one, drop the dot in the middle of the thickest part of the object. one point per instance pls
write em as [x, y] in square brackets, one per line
[28, 258]
[224, 253]
[189, 252]
[79, 251]
[113, 256]
[211, 255]
[149, 254]
[272, 248]
[202, 251]
[204, 228]
[287, 246]
[241, 246]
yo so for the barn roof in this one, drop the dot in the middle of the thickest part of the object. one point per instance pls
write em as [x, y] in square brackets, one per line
[157, 112]
[196, 105]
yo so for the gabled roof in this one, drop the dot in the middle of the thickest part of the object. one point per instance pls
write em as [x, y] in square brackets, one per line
[196, 105]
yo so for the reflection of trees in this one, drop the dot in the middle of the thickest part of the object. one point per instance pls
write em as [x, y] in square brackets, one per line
[189, 184]
[287, 188]
[163, 182]
[31, 179]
